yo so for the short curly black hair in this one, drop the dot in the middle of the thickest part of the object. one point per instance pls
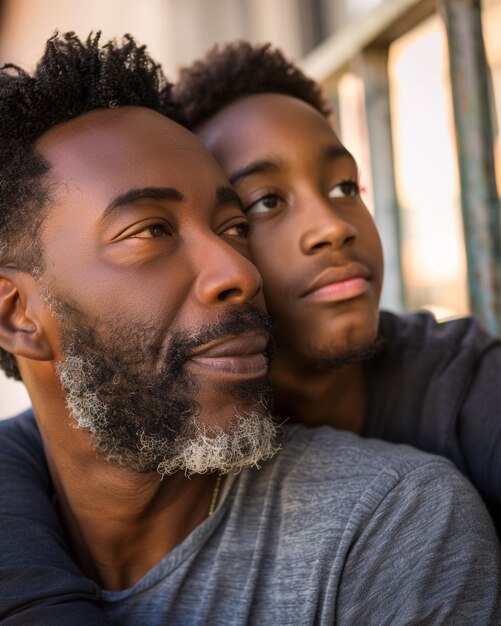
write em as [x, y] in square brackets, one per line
[72, 77]
[240, 69]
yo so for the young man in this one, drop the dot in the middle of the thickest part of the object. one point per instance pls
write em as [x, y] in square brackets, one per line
[339, 362]
[129, 309]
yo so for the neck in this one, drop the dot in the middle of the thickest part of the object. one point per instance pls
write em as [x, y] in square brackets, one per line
[119, 530]
[119, 523]
[333, 398]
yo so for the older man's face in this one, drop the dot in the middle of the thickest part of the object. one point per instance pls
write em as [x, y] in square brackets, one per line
[159, 332]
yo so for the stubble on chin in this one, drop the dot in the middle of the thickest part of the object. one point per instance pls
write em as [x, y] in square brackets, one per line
[325, 361]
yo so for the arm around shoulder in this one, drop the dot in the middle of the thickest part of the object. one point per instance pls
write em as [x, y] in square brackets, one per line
[479, 429]
[39, 583]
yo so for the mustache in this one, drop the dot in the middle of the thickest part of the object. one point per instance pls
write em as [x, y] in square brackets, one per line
[235, 321]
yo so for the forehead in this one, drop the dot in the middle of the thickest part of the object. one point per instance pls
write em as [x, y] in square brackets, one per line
[106, 152]
[265, 123]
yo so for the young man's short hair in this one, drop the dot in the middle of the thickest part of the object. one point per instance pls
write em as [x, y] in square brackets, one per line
[240, 69]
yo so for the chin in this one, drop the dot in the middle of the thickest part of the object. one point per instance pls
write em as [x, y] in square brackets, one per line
[244, 436]
[224, 419]
[351, 344]
[249, 397]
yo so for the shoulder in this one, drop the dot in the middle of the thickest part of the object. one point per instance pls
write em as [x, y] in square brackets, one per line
[341, 450]
[325, 464]
[426, 378]
[421, 330]
[352, 491]
[24, 423]
[340, 476]
[20, 430]
[40, 582]
[21, 446]
[438, 386]
[393, 530]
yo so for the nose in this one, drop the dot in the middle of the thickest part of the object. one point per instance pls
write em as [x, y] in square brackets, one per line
[324, 229]
[226, 276]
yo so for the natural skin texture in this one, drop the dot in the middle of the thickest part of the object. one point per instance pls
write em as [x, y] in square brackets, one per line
[315, 245]
[169, 261]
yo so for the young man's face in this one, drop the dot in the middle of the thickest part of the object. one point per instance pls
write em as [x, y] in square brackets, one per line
[312, 238]
[158, 328]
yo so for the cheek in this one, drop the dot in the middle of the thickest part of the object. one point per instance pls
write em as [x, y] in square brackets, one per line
[370, 241]
[147, 297]
[274, 272]
[271, 250]
[376, 262]
[161, 300]
[275, 278]
[278, 308]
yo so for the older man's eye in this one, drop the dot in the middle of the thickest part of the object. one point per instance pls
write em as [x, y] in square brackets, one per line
[237, 230]
[152, 231]
[345, 189]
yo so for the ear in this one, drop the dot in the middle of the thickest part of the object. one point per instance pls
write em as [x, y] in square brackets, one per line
[21, 328]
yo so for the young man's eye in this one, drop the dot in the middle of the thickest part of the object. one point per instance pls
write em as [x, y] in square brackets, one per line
[345, 189]
[237, 230]
[263, 205]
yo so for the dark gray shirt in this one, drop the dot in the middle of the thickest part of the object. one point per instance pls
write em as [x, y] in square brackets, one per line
[438, 387]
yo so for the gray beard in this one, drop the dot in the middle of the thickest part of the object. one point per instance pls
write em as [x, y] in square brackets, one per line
[138, 405]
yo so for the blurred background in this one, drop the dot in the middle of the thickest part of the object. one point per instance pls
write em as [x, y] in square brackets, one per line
[416, 89]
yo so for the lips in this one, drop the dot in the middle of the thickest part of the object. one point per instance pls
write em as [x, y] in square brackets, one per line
[339, 283]
[242, 355]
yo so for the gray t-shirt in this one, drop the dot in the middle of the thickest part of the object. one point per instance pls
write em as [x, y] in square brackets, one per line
[334, 530]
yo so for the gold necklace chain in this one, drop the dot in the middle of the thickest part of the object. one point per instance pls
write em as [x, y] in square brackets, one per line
[215, 494]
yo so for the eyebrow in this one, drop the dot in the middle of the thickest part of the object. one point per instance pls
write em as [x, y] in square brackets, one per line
[331, 153]
[334, 152]
[143, 193]
[227, 195]
[256, 167]
[224, 195]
